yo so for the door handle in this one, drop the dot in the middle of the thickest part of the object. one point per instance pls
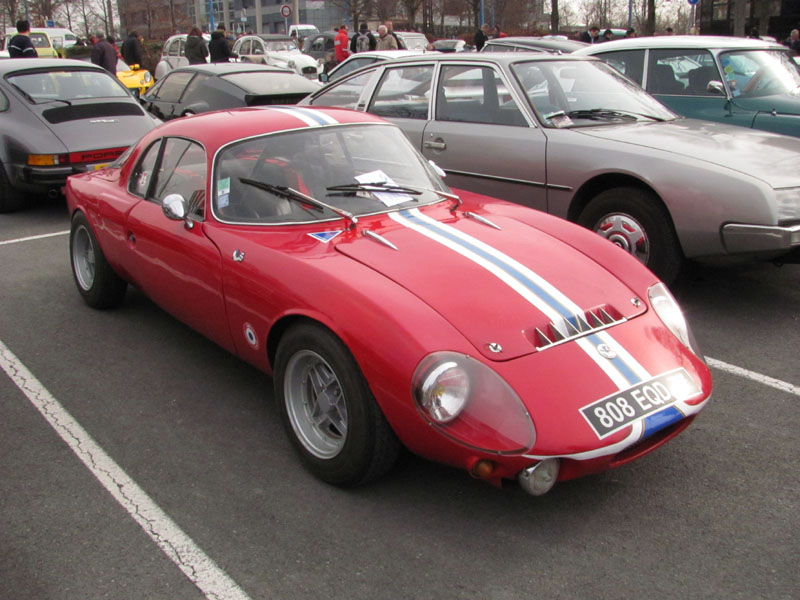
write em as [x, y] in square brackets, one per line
[434, 145]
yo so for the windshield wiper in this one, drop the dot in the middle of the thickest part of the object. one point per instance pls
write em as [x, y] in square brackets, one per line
[353, 188]
[599, 114]
[292, 194]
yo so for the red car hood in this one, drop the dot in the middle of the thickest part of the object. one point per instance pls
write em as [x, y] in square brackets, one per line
[497, 287]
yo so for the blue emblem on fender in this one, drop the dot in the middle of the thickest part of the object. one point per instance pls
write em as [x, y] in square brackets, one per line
[325, 236]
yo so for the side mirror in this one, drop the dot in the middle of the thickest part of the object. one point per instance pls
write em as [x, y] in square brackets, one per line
[323, 77]
[174, 207]
[716, 87]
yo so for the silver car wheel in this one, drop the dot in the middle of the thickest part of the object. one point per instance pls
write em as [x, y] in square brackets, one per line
[315, 404]
[627, 233]
[83, 259]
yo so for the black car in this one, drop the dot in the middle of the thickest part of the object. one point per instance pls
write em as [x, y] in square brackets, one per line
[59, 117]
[202, 88]
[552, 44]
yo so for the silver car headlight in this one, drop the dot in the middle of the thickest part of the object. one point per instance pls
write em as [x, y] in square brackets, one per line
[470, 403]
[147, 77]
[292, 64]
[671, 315]
[788, 204]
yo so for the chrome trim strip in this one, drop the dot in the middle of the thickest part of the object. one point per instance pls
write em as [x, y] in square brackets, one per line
[481, 219]
[549, 186]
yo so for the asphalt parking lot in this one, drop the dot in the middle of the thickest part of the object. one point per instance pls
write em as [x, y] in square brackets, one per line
[139, 460]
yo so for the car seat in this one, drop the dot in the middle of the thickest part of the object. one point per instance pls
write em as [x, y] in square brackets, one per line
[664, 82]
[699, 78]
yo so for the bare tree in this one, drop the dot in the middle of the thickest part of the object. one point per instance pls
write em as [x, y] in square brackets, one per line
[359, 9]
[411, 7]
[554, 16]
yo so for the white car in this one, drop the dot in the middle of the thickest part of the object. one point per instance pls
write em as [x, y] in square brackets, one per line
[172, 54]
[362, 59]
[276, 51]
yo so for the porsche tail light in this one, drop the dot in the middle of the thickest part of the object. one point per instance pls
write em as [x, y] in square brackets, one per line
[47, 160]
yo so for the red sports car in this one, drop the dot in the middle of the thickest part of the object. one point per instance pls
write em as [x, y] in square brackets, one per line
[318, 245]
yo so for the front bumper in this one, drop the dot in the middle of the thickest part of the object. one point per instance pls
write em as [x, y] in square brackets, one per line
[739, 238]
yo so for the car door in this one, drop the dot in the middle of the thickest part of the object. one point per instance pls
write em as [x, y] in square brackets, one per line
[694, 69]
[176, 265]
[403, 96]
[481, 136]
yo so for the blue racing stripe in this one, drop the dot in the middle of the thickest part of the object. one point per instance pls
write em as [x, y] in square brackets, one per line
[620, 364]
[310, 114]
[658, 421]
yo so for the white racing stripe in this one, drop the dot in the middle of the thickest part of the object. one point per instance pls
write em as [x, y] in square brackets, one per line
[312, 118]
[34, 237]
[201, 570]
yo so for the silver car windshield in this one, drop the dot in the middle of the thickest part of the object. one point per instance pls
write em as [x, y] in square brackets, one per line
[579, 94]
[47, 86]
[752, 73]
[290, 177]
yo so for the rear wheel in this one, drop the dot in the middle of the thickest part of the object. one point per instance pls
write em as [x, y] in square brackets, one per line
[328, 409]
[635, 220]
[10, 198]
[97, 282]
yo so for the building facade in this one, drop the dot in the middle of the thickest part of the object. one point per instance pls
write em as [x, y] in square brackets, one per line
[775, 18]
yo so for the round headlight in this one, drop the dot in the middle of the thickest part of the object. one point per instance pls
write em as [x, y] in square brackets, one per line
[147, 77]
[444, 392]
[671, 315]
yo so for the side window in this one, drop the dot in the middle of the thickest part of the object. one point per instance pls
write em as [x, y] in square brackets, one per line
[258, 47]
[353, 65]
[318, 45]
[182, 47]
[628, 62]
[245, 48]
[475, 95]
[329, 45]
[684, 72]
[3, 102]
[403, 92]
[142, 173]
[195, 84]
[173, 86]
[183, 171]
[174, 47]
[344, 94]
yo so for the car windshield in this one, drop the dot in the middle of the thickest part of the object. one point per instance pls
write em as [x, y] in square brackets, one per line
[282, 46]
[751, 73]
[67, 85]
[585, 93]
[356, 169]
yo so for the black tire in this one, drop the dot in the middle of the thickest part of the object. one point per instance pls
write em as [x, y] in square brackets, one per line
[96, 281]
[341, 437]
[10, 198]
[648, 235]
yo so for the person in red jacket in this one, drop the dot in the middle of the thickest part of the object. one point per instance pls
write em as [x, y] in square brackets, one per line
[341, 44]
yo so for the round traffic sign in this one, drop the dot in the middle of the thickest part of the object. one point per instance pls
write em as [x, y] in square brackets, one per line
[692, 2]
[286, 11]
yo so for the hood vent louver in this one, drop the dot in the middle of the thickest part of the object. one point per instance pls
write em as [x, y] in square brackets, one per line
[577, 325]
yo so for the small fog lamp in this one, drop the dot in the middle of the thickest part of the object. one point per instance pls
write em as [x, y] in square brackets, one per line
[541, 477]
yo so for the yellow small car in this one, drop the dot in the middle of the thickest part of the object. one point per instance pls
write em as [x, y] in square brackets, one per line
[136, 79]
[44, 46]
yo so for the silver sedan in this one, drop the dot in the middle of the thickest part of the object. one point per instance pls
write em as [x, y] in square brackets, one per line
[573, 137]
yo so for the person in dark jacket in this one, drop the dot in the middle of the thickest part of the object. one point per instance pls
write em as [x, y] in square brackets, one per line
[196, 49]
[481, 36]
[132, 49]
[104, 54]
[363, 40]
[20, 46]
[218, 48]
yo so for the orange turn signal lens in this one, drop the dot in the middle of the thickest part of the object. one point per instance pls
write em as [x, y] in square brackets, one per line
[46, 160]
[483, 468]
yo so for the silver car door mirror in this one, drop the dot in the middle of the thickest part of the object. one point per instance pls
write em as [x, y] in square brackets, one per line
[439, 170]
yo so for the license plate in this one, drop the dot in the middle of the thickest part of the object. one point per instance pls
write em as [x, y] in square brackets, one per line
[98, 166]
[617, 411]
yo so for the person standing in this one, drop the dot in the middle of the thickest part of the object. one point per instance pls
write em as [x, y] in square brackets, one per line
[793, 41]
[481, 36]
[592, 36]
[196, 49]
[104, 54]
[341, 44]
[385, 41]
[363, 40]
[132, 49]
[390, 28]
[20, 46]
[219, 50]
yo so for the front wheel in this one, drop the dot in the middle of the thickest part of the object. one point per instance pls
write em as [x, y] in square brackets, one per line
[97, 282]
[635, 220]
[328, 410]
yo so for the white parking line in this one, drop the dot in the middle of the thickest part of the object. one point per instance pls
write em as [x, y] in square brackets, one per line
[757, 377]
[212, 581]
[34, 237]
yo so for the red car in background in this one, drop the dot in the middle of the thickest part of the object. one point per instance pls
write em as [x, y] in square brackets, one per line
[318, 245]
